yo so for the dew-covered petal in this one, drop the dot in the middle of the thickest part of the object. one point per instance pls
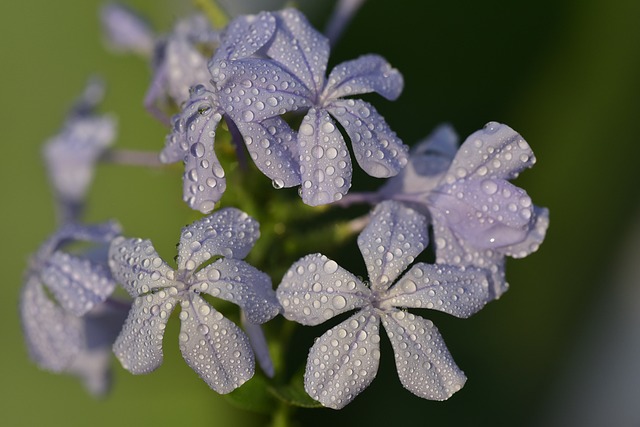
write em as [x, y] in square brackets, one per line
[325, 164]
[71, 156]
[537, 231]
[300, 48]
[136, 265]
[139, 345]
[390, 242]
[496, 151]
[196, 122]
[77, 283]
[204, 179]
[192, 140]
[197, 29]
[344, 361]
[53, 336]
[272, 145]
[429, 160]
[213, 346]
[425, 366]
[452, 250]
[377, 148]
[458, 291]
[259, 345]
[228, 232]
[244, 36]
[487, 213]
[125, 30]
[96, 233]
[254, 89]
[316, 288]
[236, 281]
[185, 67]
[368, 73]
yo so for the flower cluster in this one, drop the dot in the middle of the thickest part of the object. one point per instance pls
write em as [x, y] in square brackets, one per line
[265, 76]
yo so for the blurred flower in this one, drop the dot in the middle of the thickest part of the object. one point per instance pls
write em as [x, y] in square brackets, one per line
[71, 155]
[56, 330]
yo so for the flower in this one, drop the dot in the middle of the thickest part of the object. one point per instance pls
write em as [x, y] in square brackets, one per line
[344, 360]
[176, 58]
[478, 216]
[71, 155]
[72, 333]
[275, 63]
[213, 346]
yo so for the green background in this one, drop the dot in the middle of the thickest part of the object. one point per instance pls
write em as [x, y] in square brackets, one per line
[565, 74]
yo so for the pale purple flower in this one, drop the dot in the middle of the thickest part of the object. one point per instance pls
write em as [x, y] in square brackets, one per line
[126, 31]
[274, 63]
[71, 155]
[73, 332]
[478, 216]
[344, 360]
[177, 59]
[213, 346]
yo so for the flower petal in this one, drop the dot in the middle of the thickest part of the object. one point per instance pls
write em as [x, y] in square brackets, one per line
[458, 291]
[316, 288]
[496, 151]
[125, 30]
[139, 345]
[136, 265]
[377, 148]
[185, 67]
[254, 89]
[236, 281]
[486, 213]
[53, 336]
[259, 345]
[452, 250]
[368, 73]
[244, 36]
[78, 284]
[192, 140]
[391, 241]
[325, 165]
[213, 346]
[228, 232]
[196, 122]
[71, 156]
[535, 236]
[95, 233]
[344, 361]
[425, 366]
[272, 145]
[300, 48]
[429, 160]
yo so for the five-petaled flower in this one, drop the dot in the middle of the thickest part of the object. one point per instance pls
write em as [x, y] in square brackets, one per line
[478, 216]
[344, 360]
[270, 64]
[213, 346]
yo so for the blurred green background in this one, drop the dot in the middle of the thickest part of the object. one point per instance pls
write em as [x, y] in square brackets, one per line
[565, 74]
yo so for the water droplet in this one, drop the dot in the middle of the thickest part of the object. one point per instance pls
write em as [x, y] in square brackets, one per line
[247, 116]
[306, 129]
[489, 187]
[339, 302]
[330, 267]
